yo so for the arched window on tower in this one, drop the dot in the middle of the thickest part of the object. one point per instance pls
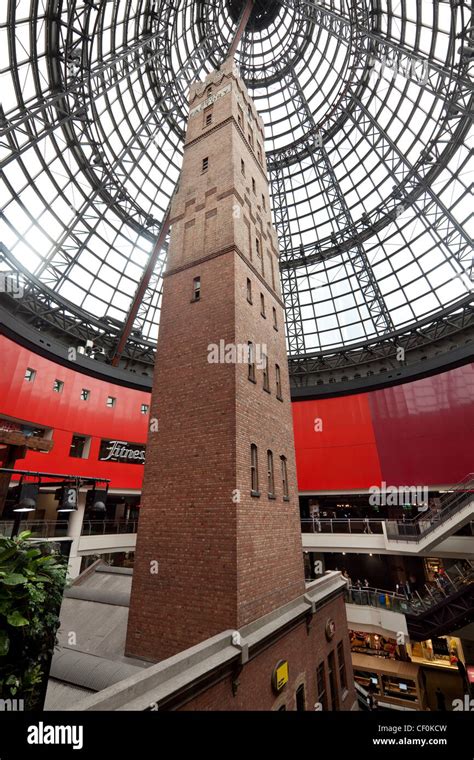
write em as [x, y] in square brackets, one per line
[270, 475]
[254, 470]
[278, 382]
[284, 478]
[251, 361]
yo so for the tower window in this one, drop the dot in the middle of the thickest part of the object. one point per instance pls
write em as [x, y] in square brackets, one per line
[264, 206]
[262, 305]
[249, 112]
[58, 386]
[111, 401]
[251, 360]
[259, 154]
[254, 470]
[300, 699]
[275, 322]
[257, 246]
[271, 479]
[342, 666]
[249, 291]
[254, 186]
[207, 117]
[284, 477]
[196, 289]
[205, 164]
[30, 375]
[144, 409]
[321, 693]
[278, 382]
[85, 394]
[242, 166]
[266, 375]
[240, 117]
[250, 138]
[209, 92]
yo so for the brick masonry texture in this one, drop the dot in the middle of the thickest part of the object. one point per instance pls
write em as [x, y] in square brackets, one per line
[304, 653]
[225, 557]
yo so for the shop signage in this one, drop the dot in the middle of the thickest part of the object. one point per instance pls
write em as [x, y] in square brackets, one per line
[280, 675]
[330, 629]
[122, 451]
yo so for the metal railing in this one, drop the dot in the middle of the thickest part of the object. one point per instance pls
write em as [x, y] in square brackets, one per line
[418, 527]
[108, 527]
[414, 603]
[38, 528]
[59, 528]
[404, 529]
[345, 525]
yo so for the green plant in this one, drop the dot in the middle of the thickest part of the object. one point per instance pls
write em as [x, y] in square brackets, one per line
[32, 580]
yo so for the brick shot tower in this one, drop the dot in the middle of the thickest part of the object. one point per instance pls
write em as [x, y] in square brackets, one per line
[219, 541]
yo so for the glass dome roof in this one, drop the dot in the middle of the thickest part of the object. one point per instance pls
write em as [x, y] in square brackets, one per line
[368, 114]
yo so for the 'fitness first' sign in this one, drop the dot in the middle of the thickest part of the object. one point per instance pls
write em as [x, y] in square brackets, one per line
[121, 451]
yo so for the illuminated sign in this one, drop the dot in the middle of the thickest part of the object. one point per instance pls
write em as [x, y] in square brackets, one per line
[121, 451]
[280, 675]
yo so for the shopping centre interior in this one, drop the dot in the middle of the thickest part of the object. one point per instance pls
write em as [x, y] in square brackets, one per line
[237, 347]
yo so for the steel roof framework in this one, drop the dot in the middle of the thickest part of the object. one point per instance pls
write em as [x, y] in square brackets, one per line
[91, 144]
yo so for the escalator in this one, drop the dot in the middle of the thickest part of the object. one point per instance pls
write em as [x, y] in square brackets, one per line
[444, 613]
[439, 611]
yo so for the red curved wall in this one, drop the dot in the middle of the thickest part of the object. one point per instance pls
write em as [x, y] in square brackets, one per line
[65, 412]
[418, 433]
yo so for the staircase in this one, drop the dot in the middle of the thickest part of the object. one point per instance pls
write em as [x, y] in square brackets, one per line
[440, 610]
[429, 528]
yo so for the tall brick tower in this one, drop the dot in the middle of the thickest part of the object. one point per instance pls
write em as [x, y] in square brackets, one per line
[219, 541]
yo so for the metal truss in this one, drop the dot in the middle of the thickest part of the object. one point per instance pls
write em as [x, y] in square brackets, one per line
[45, 311]
[437, 79]
[382, 354]
[342, 216]
[110, 181]
[289, 281]
[412, 182]
[21, 131]
[455, 611]
[108, 98]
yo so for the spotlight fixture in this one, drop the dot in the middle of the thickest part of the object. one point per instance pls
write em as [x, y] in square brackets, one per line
[26, 505]
[27, 497]
[67, 498]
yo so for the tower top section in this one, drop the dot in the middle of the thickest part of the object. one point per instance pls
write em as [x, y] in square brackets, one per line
[204, 94]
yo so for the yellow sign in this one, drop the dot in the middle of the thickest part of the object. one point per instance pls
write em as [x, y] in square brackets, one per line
[280, 675]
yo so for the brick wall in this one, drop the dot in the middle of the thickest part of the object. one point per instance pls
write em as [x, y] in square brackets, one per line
[304, 652]
[224, 557]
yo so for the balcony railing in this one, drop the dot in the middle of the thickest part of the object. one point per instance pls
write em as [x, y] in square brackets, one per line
[415, 603]
[404, 529]
[59, 528]
[108, 527]
[420, 526]
[38, 528]
[357, 525]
